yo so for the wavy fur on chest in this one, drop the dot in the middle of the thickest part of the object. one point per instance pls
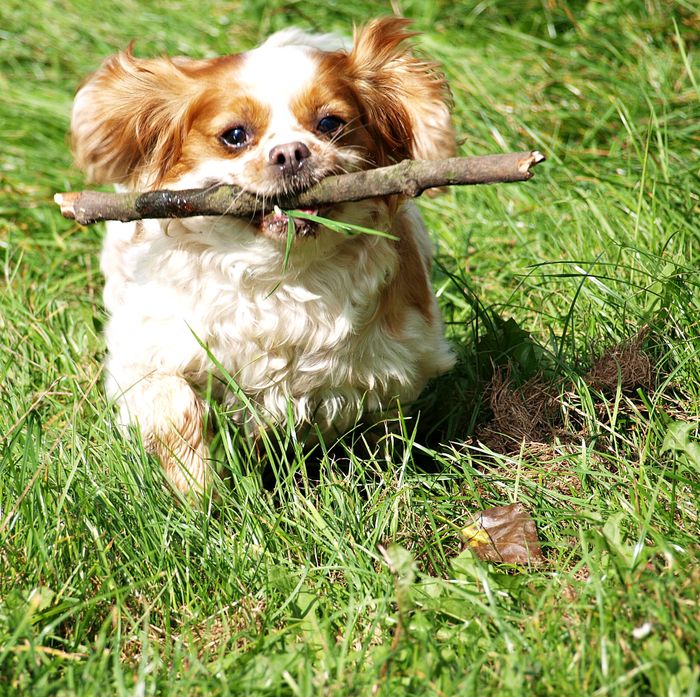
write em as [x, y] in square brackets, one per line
[333, 333]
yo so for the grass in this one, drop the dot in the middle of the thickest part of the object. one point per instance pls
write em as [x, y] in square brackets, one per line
[108, 587]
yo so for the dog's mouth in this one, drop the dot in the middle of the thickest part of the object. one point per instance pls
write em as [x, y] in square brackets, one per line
[278, 225]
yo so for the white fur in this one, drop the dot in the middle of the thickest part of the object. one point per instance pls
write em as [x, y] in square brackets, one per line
[274, 76]
[294, 36]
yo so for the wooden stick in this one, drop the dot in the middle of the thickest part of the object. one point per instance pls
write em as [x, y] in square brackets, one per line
[409, 178]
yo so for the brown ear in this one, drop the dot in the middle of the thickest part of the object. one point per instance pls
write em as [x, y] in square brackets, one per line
[407, 99]
[130, 119]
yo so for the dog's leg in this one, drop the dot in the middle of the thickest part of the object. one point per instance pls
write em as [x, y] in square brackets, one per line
[170, 417]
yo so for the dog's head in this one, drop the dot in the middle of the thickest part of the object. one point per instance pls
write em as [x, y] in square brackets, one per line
[273, 120]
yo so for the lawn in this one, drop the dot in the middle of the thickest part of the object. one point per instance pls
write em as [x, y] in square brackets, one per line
[572, 300]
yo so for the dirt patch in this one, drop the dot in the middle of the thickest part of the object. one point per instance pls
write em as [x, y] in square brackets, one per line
[228, 627]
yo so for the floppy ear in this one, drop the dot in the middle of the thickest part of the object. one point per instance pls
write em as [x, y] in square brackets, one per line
[407, 99]
[130, 119]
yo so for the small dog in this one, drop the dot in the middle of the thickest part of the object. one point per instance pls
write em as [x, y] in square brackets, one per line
[336, 330]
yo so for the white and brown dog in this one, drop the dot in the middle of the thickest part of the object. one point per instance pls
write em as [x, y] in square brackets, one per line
[340, 328]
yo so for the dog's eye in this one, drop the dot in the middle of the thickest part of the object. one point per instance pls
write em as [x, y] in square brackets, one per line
[235, 137]
[329, 124]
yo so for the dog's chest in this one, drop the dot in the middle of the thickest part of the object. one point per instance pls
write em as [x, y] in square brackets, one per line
[287, 333]
[309, 335]
[300, 327]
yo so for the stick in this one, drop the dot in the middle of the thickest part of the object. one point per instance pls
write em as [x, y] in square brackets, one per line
[409, 178]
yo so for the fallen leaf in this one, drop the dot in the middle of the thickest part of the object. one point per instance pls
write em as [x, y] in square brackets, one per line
[505, 534]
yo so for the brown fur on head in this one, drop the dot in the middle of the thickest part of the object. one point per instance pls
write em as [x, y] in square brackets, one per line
[131, 117]
[407, 99]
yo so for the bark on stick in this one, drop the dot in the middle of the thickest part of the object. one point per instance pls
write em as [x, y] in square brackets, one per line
[409, 178]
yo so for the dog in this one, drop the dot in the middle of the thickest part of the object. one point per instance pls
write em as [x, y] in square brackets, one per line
[330, 331]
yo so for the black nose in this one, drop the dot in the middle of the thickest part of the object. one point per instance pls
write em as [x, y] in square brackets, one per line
[289, 157]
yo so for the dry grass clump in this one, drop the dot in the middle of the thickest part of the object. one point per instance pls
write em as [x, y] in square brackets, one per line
[529, 413]
[625, 365]
[530, 417]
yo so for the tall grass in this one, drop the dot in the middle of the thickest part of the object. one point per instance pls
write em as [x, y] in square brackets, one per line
[280, 584]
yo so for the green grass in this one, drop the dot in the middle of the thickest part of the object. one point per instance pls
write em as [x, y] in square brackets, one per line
[108, 587]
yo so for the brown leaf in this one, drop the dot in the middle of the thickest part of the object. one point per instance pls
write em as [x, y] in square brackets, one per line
[505, 534]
